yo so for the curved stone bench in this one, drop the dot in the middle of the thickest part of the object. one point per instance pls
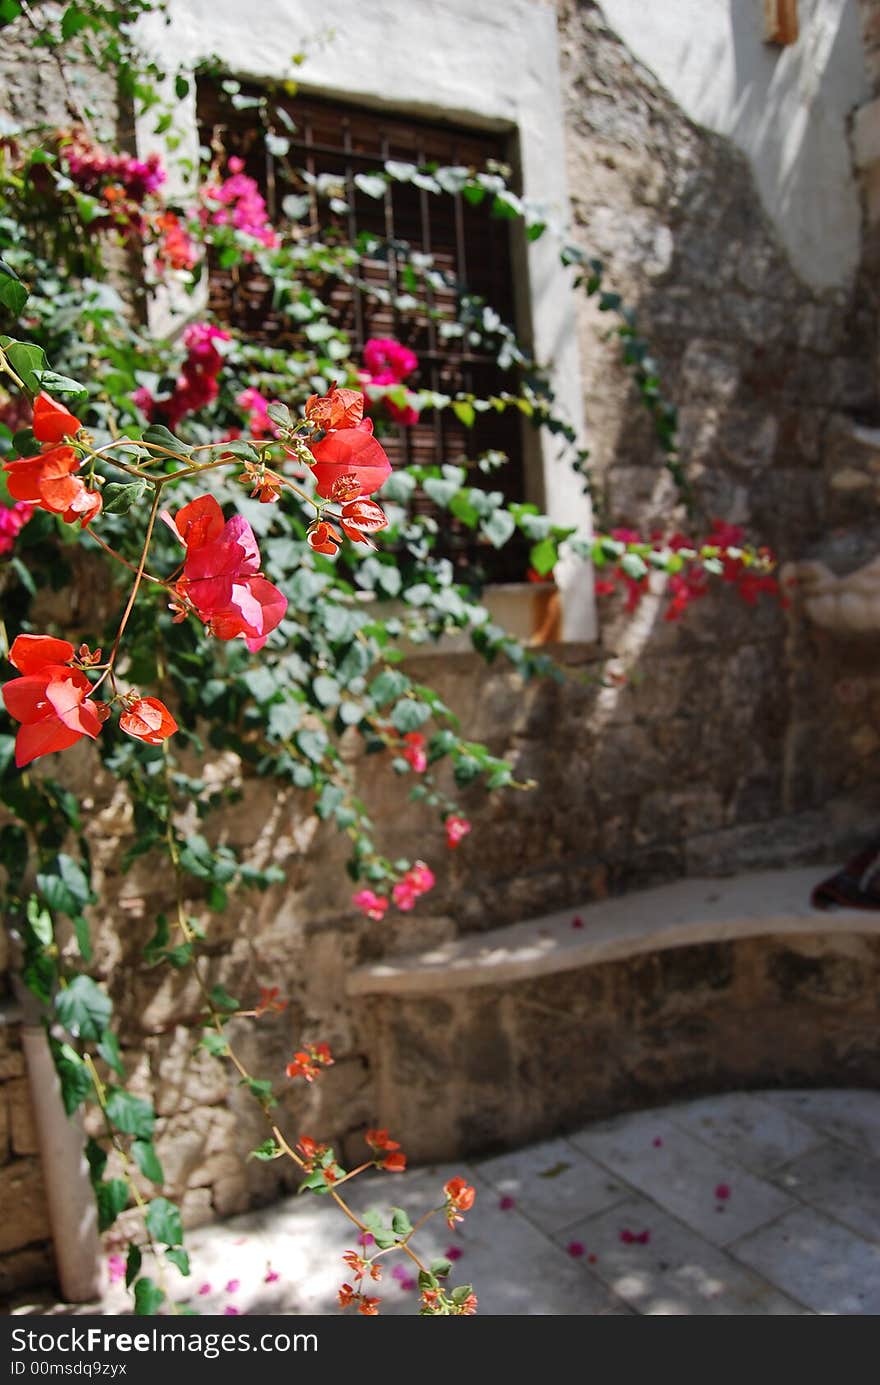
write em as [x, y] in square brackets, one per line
[497, 1038]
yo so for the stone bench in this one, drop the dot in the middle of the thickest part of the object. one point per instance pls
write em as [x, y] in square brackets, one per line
[496, 1038]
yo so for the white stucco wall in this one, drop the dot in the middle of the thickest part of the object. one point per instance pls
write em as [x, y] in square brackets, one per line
[494, 63]
[786, 108]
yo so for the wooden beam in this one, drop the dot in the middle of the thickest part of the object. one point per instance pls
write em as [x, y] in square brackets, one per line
[780, 21]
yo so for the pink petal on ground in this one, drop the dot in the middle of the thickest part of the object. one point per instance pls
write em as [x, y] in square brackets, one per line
[204, 1289]
[505, 1203]
[233, 1286]
[722, 1192]
[575, 1249]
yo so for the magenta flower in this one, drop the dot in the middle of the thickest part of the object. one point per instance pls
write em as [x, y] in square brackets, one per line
[575, 1249]
[116, 1267]
[722, 1192]
[453, 1252]
[505, 1203]
[233, 1286]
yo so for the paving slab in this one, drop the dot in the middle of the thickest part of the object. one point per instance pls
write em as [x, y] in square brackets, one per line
[850, 1115]
[816, 1260]
[710, 1192]
[841, 1181]
[660, 1267]
[755, 1132]
[554, 1181]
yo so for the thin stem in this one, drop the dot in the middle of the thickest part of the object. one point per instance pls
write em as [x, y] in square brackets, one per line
[135, 586]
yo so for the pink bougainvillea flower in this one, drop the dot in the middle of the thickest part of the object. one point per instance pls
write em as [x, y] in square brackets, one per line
[575, 1249]
[13, 518]
[231, 1312]
[373, 905]
[116, 1268]
[577, 921]
[221, 578]
[414, 751]
[453, 1252]
[383, 356]
[271, 1275]
[365, 1239]
[50, 699]
[233, 1286]
[350, 452]
[416, 882]
[148, 719]
[456, 829]
[722, 1192]
[630, 1238]
[204, 1289]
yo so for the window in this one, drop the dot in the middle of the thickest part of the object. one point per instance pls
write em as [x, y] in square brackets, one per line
[471, 250]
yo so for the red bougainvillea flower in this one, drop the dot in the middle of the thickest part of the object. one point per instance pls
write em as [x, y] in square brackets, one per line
[414, 751]
[417, 881]
[456, 828]
[308, 1062]
[311, 1152]
[369, 1306]
[336, 409]
[350, 452]
[361, 1267]
[460, 1197]
[387, 1152]
[148, 719]
[47, 480]
[50, 699]
[221, 577]
[323, 538]
[360, 518]
[269, 1000]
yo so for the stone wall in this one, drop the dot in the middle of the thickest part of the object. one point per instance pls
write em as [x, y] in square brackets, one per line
[733, 740]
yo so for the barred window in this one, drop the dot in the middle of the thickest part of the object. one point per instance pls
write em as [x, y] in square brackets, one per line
[471, 250]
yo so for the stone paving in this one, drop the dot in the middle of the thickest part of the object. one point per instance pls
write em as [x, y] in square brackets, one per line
[748, 1203]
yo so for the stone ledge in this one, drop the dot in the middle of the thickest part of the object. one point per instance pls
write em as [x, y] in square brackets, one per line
[678, 915]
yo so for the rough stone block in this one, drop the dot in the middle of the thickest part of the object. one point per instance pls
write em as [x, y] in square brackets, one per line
[23, 1199]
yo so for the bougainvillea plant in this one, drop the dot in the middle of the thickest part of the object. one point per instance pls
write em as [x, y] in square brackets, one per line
[256, 569]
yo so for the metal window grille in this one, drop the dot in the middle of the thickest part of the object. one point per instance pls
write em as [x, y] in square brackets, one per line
[471, 250]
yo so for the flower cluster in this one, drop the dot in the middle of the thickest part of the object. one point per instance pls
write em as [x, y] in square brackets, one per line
[460, 1198]
[456, 829]
[221, 580]
[308, 1062]
[416, 882]
[51, 700]
[196, 385]
[387, 1152]
[388, 362]
[175, 247]
[121, 181]
[13, 518]
[719, 553]
[237, 201]
[47, 480]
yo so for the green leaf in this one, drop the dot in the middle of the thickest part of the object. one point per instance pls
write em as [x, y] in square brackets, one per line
[441, 492]
[147, 1160]
[83, 1008]
[148, 1298]
[62, 387]
[67, 886]
[373, 184]
[266, 1151]
[461, 1293]
[326, 690]
[331, 797]
[13, 294]
[464, 412]
[83, 938]
[118, 498]
[112, 1198]
[634, 566]
[27, 360]
[132, 1265]
[163, 1222]
[97, 1160]
[313, 744]
[108, 1048]
[408, 714]
[215, 1043]
[178, 1257]
[388, 686]
[261, 1088]
[73, 1074]
[400, 1222]
[160, 435]
[284, 718]
[543, 556]
[441, 1268]
[72, 21]
[222, 1000]
[130, 1114]
[498, 528]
